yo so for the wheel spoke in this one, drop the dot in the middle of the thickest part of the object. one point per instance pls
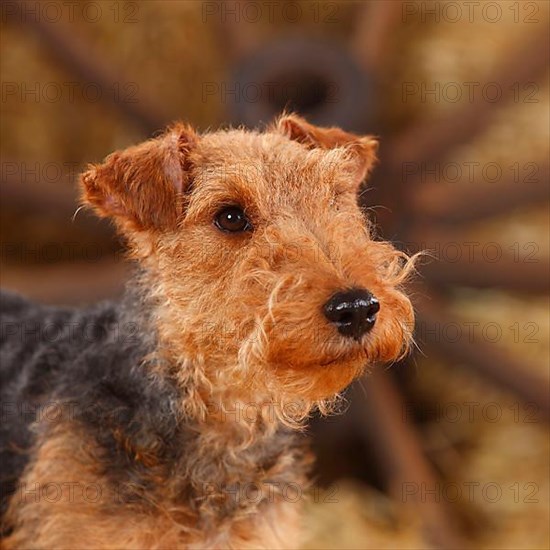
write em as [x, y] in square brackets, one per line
[464, 202]
[77, 56]
[492, 363]
[506, 273]
[399, 451]
[431, 139]
[376, 21]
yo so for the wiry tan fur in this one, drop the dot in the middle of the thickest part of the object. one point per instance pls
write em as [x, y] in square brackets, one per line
[239, 322]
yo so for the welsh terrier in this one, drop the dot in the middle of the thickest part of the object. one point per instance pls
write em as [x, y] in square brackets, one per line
[172, 419]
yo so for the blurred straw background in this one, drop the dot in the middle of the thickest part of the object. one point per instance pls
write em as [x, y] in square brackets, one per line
[461, 422]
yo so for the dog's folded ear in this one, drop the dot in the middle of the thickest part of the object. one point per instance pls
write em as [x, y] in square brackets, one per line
[142, 187]
[298, 129]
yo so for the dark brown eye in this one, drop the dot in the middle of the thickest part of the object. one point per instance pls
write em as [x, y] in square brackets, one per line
[232, 219]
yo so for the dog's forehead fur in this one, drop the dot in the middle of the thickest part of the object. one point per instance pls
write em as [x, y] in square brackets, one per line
[271, 168]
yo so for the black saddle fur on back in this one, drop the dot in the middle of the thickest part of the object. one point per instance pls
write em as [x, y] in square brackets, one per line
[92, 362]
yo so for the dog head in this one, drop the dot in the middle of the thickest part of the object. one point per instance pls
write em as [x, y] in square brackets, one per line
[266, 281]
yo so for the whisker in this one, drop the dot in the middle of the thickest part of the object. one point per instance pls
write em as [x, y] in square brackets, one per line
[76, 212]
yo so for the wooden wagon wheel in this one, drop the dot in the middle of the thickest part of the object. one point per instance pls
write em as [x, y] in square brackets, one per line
[415, 211]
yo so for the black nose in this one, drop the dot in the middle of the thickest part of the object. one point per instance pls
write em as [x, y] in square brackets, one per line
[353, 312]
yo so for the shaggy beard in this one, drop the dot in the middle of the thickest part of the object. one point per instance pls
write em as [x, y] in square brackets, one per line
[246, 390]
